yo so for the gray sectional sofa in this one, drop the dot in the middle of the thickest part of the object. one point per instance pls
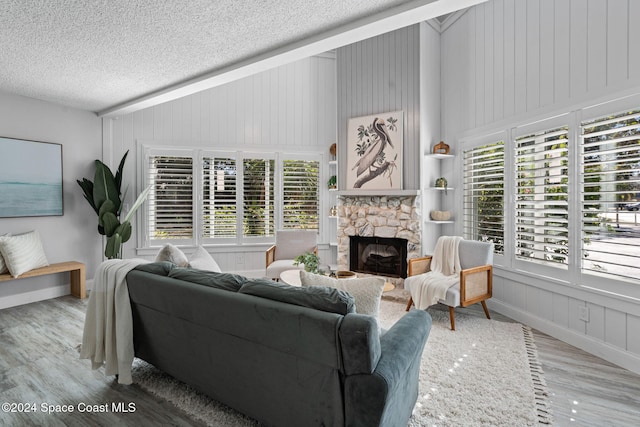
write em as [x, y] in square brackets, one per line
[283, 355]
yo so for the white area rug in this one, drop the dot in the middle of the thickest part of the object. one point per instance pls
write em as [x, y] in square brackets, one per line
[486, 373]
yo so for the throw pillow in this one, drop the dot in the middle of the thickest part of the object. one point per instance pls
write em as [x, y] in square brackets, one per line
[366, 291]
[318, 298]
[172, 254]
[3, 265]
[23, 252]
[202, 260]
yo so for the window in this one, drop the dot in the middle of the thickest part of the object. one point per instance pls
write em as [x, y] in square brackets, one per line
[610, 171]
[301, 191]
[170, 201]
[258, 197]
[219, 197]
[483, 205]
[201, 196]
[542, 197]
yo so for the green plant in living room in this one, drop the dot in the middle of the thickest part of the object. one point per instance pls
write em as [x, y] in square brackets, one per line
[105, 197]
[311, 262]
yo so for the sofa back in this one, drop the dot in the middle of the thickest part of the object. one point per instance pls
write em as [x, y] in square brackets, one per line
[275, 361]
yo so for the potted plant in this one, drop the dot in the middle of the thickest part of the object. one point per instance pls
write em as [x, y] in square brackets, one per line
[332, 183]
[311, 262]
[105, 197]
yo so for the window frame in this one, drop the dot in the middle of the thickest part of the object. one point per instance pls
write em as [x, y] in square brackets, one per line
[198, 154]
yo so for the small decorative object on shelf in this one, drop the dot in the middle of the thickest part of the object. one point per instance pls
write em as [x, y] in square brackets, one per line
[441, 182]
[332, 183]
[440, 215]
[333, 211]
[441, 148]
[332, 149]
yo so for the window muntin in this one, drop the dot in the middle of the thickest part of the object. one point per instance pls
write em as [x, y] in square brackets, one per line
[610, 180]
[483, 204]
[542, 197]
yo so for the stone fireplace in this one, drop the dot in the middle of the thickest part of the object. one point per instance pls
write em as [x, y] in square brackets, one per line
[384, 216]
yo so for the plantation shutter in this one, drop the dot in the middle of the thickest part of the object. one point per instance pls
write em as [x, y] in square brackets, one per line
[542, 207]
[610, 170]
[219, 197]
[259, 197]
[170, 201]
[300, 188]
[483, 205]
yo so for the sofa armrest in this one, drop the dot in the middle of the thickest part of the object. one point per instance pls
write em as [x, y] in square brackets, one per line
[475, 284]
[388, 395]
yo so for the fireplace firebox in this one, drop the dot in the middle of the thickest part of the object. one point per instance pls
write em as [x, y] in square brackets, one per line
[384, 256]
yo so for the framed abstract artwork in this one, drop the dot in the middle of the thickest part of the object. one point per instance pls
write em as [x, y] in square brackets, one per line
[30, 178]
[374, 152]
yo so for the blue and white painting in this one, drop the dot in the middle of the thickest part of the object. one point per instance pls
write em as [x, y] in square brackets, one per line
[30, 178]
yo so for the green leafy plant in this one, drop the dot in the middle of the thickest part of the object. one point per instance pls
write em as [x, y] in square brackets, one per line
[311, 262]
[333, 182]
[105, 197]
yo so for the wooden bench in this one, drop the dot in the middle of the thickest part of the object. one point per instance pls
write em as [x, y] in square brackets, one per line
[76, 274]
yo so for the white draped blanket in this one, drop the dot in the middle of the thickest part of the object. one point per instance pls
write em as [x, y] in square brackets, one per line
[428, 288]
[107, 339]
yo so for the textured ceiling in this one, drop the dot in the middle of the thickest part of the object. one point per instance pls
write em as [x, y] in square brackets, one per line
[95, 54]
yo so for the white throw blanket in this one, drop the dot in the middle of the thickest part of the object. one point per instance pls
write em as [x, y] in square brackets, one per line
[428, 288]
[108, 327]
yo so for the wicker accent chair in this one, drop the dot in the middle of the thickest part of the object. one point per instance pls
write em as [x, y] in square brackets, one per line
[476, 277]
[289, 244]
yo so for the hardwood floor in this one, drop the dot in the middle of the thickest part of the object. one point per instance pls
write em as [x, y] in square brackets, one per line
[39, 365]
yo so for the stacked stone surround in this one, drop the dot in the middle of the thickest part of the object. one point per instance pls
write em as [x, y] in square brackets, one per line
[378, 216]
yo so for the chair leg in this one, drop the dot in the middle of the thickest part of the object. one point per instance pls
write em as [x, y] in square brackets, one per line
[409, 304]
[452, 317]
[486, 310]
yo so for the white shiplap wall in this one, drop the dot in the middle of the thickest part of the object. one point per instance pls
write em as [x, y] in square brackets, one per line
[507, 63]
[379, 75]
[289, 108]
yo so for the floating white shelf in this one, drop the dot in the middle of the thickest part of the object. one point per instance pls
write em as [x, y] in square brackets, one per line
[440, 222]
[366, 193]
[439, 156]
[333, 217]
[441, 188]
[333, 162]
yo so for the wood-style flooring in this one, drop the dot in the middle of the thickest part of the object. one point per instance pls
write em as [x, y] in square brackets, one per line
[39, 365]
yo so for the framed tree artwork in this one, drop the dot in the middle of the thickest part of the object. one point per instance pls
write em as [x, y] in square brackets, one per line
[374, 152]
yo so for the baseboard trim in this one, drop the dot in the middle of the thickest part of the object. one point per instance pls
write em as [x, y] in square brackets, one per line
[601, 349]
[39, 295]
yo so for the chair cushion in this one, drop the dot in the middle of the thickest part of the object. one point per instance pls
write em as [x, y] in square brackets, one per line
[452, 298]
[474, 253]
[275, 268]
[291, 243]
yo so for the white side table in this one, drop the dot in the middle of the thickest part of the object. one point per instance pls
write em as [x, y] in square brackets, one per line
[291, 277]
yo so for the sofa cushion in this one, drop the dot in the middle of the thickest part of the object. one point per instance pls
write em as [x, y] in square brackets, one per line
[172, 254]
[161, 268]
[366, 291]
[226, 281]
[319, 298]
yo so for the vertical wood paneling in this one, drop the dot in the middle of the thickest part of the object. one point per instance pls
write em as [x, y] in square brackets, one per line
[520, 60]
[381, 75]
[596, 324]
[617, 41]
[596, 44]
[480, 57]
[615, 323]
[498, 60]
[561, 39]
[574, 316]
[509, 60]
[547, 52]
[533, 54]
[633, 17]
[633, 326]
[561, 310]
[489, 63]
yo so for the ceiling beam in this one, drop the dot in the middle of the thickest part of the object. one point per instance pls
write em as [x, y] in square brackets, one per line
[399, 17]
